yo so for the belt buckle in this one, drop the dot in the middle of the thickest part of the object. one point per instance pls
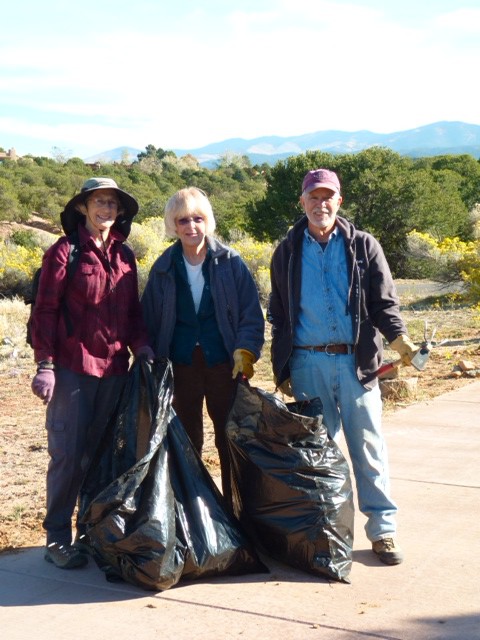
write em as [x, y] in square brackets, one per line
[327, 351]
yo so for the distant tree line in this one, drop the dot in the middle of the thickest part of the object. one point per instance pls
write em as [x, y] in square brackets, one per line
[42, 186]
[384, 193]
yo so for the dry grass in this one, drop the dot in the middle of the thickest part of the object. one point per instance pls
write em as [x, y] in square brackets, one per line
[23, 446]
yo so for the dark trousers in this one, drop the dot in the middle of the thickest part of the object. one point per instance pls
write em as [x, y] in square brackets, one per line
[194, 383]
[76, 419]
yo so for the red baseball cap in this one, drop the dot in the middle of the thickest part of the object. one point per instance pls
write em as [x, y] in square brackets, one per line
[318, 178]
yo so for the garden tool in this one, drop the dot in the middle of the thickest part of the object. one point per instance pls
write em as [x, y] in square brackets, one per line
[420, 358]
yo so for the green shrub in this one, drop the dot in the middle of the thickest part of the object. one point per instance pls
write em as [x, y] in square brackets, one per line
[24, 238]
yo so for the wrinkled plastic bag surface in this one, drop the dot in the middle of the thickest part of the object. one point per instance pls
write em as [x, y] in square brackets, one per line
[291, 483]
[158, 516]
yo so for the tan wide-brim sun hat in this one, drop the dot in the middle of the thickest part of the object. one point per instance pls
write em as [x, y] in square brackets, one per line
[70, 216]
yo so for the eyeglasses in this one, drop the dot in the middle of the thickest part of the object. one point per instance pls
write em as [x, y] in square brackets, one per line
[101, 202]
[184, 221]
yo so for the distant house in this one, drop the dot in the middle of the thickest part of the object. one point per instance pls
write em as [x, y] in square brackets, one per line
[10, 155]
[94, 165]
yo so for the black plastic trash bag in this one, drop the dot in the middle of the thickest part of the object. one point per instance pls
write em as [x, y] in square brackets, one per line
[138, 424]
[162, 518]
[291, 483]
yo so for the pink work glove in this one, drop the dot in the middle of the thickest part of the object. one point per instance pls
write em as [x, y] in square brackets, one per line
[43, 384]
[145, 352]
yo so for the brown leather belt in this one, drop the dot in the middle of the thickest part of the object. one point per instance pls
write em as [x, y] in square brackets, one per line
[329, 349]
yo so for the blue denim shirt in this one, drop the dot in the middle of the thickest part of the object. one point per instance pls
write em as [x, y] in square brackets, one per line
[323, 316]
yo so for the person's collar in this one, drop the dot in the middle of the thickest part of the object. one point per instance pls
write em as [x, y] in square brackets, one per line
[310, 238]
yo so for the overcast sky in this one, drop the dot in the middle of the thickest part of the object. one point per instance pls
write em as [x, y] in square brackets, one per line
[91, 76]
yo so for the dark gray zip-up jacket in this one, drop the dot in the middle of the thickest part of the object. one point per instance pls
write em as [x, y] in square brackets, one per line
[235, 298]
[372, 302]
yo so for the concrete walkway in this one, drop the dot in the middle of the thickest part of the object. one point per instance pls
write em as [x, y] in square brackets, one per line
[435, 594]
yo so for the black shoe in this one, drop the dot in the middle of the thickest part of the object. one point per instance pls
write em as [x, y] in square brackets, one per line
[82, 544]
[64, 556]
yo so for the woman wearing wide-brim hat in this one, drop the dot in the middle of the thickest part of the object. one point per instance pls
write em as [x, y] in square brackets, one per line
[86, 320]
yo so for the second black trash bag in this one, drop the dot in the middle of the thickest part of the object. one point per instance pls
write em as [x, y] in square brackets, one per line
[291, 484]
[162, 518]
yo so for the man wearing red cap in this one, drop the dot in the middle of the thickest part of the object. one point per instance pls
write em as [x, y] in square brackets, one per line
[333, 297]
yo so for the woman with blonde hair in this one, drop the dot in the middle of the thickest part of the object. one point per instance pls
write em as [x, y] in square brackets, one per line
[202, 311]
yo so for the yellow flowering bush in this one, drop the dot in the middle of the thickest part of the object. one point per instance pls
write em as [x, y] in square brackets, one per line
[148, 241]
[144, 264]
[470, 273]
[17, 266]
[257, 256]
[148, 237]
[455, 260]
[262, 279]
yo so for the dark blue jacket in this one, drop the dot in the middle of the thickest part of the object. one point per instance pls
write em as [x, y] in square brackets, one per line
[235, 297]
[192, 327]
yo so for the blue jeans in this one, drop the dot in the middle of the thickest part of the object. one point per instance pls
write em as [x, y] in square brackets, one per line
[347, 403]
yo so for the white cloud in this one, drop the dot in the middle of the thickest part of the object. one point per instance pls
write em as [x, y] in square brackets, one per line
[462, 21]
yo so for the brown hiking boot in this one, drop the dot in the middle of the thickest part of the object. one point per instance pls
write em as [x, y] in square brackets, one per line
[387, 551]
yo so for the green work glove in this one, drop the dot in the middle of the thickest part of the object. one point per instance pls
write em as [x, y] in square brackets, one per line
[405, 348]
[243, 363]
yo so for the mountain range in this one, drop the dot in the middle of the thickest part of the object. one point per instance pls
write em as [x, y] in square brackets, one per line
[439, 138]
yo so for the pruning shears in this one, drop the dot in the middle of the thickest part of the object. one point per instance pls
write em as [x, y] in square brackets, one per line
[420, 358]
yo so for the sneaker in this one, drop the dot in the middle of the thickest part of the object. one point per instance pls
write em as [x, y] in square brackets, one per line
[387, 551]
[64, 556]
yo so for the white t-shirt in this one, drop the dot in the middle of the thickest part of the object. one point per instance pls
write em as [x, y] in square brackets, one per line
[196, 281]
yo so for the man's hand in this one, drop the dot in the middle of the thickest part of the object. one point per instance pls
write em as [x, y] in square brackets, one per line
[43, 384]
[286, 388]
[243, 363]
[405, 348]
